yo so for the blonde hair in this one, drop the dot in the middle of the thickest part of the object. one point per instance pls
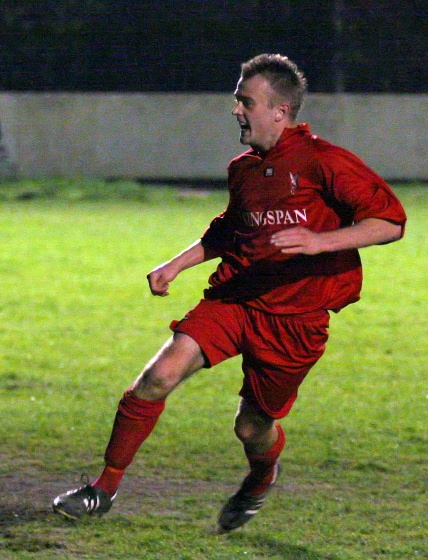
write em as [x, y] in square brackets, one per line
[283, 75]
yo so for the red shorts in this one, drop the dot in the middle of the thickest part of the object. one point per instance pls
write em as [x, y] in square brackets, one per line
[277, 350]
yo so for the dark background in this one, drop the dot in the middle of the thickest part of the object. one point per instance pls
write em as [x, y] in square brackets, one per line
[189, 45]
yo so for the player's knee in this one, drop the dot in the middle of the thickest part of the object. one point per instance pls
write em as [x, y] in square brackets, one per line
[246, 431]
[252, 427]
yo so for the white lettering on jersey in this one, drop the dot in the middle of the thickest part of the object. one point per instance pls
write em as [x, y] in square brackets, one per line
[275, 217]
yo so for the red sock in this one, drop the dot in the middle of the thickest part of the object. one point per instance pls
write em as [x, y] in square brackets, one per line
[262, 466]
[109, 480]
[134, 422]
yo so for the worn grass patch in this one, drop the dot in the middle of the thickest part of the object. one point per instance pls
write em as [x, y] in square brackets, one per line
[78, 323]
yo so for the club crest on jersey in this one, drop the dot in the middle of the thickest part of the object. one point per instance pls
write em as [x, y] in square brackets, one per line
[269, 172]
[294, 182]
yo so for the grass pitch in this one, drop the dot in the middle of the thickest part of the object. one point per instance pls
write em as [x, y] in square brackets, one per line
[78, 323]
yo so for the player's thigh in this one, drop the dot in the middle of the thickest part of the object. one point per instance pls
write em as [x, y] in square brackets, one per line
[280, 353]
[217, 327]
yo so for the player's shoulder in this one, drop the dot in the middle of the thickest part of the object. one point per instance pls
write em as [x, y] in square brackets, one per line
[326, 151]
[321, 145]
[301, 141]
[246, 156]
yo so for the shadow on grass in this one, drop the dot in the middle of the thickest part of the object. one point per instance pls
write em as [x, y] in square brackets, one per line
[267, 545]
[17, 543]
[10, 516]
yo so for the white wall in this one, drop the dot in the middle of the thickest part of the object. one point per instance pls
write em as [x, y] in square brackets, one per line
[193, 136]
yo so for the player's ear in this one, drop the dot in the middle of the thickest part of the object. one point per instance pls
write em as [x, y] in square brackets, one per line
[282, 112]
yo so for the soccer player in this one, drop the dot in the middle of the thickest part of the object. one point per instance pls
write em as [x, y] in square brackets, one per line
[288, 241]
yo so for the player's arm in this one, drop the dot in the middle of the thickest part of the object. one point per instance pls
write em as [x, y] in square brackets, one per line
[369, 231]
[162, 275]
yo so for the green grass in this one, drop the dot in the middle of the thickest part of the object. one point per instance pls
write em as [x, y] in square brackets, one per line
[77, 323]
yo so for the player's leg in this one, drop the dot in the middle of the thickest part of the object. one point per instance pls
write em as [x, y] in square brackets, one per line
[136, 417]
[142, 405]
[278, 354]
[263, 440]
[209, 334]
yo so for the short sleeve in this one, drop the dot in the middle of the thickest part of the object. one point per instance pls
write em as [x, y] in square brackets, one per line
[352, 182]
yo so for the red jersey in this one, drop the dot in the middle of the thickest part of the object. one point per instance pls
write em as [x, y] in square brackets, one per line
[303, 181]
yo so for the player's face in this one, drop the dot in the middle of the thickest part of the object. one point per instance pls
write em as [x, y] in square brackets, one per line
[258, 119]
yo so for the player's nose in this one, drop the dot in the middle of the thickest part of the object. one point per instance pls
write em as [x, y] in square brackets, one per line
[237, 109]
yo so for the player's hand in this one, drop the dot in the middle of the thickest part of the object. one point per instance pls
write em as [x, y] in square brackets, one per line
[297, 240]
[159, 279]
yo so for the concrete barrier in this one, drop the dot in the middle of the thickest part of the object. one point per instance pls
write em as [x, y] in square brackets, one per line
[193, 136]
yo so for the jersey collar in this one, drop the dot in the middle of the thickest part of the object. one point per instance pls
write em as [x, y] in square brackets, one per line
[287, 133]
